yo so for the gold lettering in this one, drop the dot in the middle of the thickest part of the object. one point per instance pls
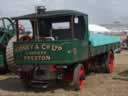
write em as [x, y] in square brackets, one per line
[31, 47]
[59, 48]
[37, 47]
[48, 47]
[53, 48]
[39, 57]
[45, 53]
[48, 58]
[36, 58]
[43, 46]
[25, 58]
[31, 58]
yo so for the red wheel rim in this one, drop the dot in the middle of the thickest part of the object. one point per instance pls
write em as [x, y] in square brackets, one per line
[81, 73]
[111, 63]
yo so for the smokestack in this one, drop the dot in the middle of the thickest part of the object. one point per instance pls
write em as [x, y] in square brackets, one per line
[40, 9]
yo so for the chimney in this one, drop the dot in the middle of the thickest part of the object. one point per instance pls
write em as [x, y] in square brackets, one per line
[40, 9]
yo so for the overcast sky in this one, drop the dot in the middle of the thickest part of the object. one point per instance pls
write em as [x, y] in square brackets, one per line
[99, 11]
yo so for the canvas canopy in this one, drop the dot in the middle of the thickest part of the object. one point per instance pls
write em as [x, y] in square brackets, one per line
[98, 29]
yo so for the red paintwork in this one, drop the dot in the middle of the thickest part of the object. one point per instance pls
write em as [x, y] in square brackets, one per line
[68, 76]
[24, 73]
[26, 38]
[111, 62]
[81, 73]
[53, 67]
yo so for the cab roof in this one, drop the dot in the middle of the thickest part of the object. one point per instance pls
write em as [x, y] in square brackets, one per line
[51, 14]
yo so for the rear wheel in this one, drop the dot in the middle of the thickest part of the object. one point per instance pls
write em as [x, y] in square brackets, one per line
[78, 77]
[9, 52]
[109, 62]
[9, 55]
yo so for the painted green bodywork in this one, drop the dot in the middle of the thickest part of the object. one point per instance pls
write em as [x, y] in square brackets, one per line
[60, 52]
[2, 59]
[66, 51]
[104, 48]
[7, 31]
[72, 51]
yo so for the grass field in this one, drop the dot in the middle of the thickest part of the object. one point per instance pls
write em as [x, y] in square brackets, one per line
[96, 84]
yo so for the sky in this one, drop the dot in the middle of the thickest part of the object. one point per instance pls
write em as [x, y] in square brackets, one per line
[99, 11]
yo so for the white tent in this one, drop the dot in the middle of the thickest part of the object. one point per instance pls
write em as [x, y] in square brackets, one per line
[98, 29]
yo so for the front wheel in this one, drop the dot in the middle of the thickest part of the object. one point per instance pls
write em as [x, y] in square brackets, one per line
[78, 77]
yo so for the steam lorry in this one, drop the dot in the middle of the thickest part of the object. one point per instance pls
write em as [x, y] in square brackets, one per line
[61, 48]
[7, 31]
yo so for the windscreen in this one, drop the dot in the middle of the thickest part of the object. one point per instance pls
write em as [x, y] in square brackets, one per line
[62, 28]
[58, 28]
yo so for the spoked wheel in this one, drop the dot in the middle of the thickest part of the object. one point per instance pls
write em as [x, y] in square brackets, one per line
[78, 77]
[109, 64]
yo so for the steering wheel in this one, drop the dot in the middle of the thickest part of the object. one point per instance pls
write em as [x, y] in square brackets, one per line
[50, 38]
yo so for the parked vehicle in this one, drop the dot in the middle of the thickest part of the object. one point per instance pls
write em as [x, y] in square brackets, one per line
[61, 48]
[7, 31]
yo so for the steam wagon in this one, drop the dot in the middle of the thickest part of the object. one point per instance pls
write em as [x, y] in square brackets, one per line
[61, 48]
[7, 31]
